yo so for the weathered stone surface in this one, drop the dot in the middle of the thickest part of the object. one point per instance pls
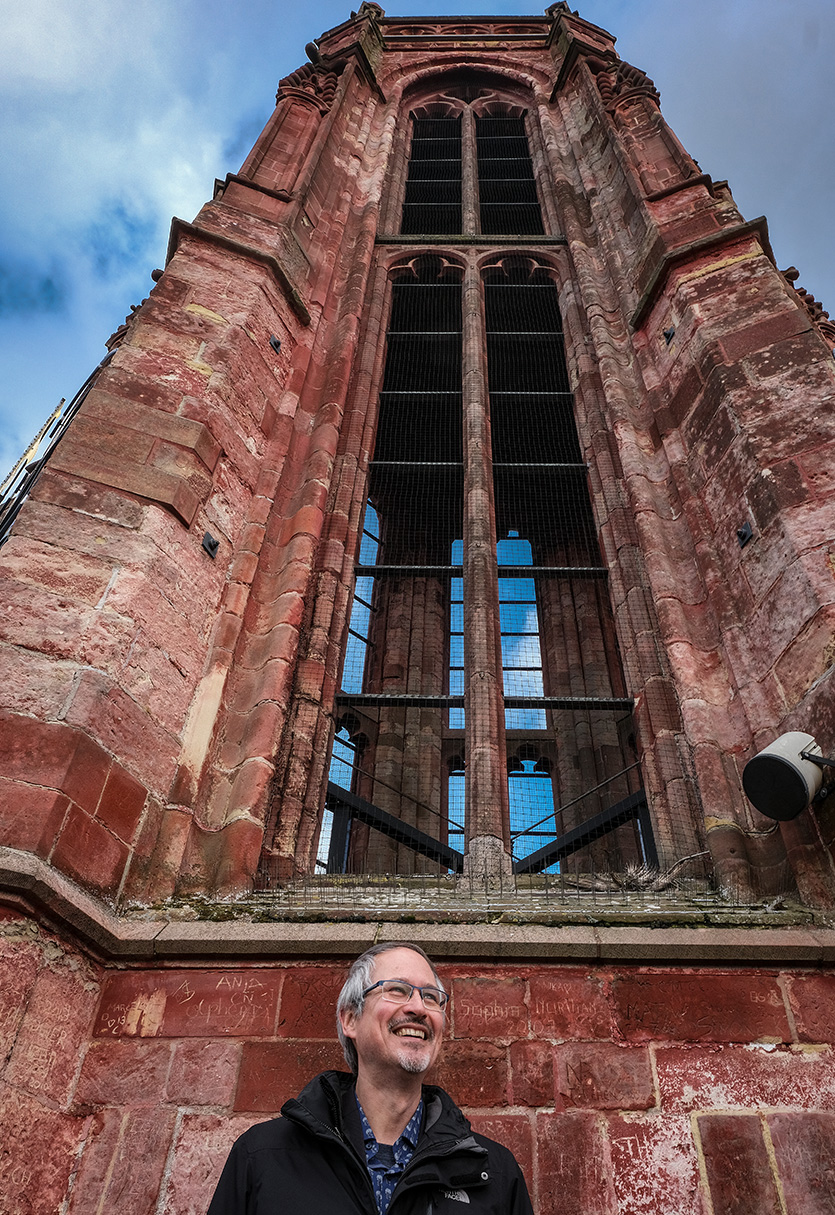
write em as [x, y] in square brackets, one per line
[123, 1073]
[737, 1165]
[38, 1153]
[804, 1149]
[573, 1164]
[731, 1008]
[601, 1075]
[308, 1001]
[201, 1147]
[54, 1031]
[654, 1165]
[182, 1003]
[738, 1078]
[532, 1073]
[490, 1008]
[123, 1161]
[272, 1072]
[203, 1072]
[475, 1073]
[569, 1005]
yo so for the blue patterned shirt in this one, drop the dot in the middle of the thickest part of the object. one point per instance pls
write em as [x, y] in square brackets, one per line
[385, 1162]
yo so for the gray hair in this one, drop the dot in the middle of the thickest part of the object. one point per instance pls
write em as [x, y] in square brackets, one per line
[351, 998]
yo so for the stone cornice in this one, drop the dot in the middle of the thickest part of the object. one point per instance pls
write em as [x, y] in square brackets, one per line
[657, 275]
[180, 228]
[33, 887]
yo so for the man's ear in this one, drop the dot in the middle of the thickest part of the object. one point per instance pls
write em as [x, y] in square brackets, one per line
[348, 1019]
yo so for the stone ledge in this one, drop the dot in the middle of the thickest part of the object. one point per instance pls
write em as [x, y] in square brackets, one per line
[179, 228]
[34, 887]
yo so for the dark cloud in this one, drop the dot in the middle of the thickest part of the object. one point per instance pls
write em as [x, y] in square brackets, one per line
[239, 142]
[116, 239]
[27, 290]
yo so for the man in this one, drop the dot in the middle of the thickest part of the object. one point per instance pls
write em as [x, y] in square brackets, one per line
[378, 1140]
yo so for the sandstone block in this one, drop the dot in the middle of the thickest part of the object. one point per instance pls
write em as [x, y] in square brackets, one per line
[738, 1007]
[804, 1149]
[54, 1030]
[203, 1073]
[38, 1157]
[124, 1072]
[87, 852]
[654, 1165]
[186, 1003]
[574, 1170]
[272, 1072]
[123, 1162]
[813, 1003]
[308, 1000]
[474, 1073]
[602, 1075]
[569, 1004]
[737, 1165]
[708, 1078]
[532, 1073]
[490, 1008]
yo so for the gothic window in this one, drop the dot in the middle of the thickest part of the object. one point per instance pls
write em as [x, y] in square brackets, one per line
[470, 173]
[417, 634]
[433, 184]
[480, 663]
[506, 186]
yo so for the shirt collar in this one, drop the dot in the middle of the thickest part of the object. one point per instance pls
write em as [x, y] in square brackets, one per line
[411, 1132]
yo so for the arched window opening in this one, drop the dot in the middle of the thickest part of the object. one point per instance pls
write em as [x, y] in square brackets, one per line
[397, 646]
[532, 821]
[561, 666]
[470, 169]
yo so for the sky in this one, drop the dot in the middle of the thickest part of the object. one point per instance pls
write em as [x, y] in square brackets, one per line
[117, 117]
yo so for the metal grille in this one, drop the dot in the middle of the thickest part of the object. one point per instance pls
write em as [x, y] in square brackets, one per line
[389, 748]
[507, 190]
[570, 750]
[433, 187]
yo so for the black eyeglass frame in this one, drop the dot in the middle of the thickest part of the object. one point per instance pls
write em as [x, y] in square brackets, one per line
[443, 997]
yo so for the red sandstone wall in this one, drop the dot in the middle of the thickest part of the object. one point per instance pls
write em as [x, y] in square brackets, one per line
[623, 1091]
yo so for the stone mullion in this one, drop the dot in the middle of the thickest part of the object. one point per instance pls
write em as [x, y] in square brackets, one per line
[487, 805]
[469, 175]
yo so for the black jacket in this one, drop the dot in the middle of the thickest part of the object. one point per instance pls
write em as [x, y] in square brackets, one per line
[311, 1161]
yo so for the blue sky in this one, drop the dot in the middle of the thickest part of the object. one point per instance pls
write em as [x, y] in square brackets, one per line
[116, 117]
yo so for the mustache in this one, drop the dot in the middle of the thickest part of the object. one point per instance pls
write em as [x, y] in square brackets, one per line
[414, 1019]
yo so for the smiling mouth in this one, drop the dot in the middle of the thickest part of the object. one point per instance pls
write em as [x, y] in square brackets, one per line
[411, 1031]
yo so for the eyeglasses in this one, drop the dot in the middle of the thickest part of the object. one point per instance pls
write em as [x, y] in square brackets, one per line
[398, 991]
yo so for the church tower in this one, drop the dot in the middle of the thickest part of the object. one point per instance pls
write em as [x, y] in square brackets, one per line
[454, 511]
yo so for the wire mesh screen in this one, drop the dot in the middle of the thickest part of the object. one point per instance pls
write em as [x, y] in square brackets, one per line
[506, 186]
[433, 186]
[391, 717]
[571, 754]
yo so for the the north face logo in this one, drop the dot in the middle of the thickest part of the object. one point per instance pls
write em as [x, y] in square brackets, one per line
[457, 1195]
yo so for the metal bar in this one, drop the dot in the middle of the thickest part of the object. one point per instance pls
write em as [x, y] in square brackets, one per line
[585, 833]
[420, 701]
[395, 828]
[372, 570]
[647, 836]
[340, 838]
[505, 571]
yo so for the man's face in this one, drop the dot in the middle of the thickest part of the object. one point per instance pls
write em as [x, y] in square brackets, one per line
[406, 1037]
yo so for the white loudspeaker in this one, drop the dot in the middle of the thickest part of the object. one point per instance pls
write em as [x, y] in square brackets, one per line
[779, 781]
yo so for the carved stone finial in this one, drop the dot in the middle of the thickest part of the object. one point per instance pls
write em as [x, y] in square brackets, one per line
[814, 308]
[318, 81]
[118, 336]
[617, 80]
